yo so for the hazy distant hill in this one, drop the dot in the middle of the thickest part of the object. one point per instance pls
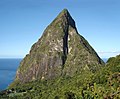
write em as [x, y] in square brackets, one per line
[105, 59]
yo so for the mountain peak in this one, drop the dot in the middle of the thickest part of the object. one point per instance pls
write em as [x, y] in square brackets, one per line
[64, 11]
[65, 18]
[60, 51]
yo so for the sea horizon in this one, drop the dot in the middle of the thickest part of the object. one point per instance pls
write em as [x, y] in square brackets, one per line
[8, 68]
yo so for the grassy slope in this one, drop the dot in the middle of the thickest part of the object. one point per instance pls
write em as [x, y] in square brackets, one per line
[103, 84]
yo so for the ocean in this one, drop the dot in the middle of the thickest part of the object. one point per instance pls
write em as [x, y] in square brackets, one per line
[8, 69]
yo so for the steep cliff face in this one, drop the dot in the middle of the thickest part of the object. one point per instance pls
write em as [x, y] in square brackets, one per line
[60, 51]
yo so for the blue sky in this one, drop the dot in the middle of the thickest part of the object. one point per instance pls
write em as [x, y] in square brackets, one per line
[22, 23]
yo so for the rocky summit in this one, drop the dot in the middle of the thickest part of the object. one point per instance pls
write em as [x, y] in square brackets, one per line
[61, 51]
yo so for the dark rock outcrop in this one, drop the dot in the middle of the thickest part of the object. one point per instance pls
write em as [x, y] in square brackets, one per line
[60, 51]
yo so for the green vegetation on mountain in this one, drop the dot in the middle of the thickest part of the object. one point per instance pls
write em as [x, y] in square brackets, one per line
[61, 51]
[103, 84]
[62, 65]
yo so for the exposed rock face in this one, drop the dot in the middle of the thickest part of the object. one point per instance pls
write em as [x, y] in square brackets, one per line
[60, 51]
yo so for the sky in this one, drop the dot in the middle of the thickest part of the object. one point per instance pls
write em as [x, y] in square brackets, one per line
[22, 23]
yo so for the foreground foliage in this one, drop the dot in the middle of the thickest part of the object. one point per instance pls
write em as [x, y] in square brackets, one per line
[103, 84]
